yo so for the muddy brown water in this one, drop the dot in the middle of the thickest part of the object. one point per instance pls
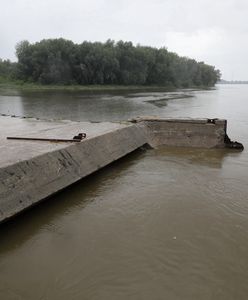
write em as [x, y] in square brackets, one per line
[158, 224]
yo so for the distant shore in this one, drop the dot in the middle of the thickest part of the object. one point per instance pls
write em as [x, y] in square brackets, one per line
[28, 86]
[232, 82]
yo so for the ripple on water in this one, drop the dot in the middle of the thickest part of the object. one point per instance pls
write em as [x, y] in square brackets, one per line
[162, 224]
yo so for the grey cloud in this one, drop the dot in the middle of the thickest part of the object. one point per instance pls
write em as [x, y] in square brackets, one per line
[213, 31]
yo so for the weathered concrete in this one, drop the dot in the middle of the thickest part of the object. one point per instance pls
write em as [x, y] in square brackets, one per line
[16, 151]
[200, 133]
[33, 170]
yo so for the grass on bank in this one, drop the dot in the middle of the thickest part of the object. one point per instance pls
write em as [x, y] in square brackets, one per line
[7, 84]
[21, 85]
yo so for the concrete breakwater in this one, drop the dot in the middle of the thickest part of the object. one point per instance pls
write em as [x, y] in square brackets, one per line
[31, 171]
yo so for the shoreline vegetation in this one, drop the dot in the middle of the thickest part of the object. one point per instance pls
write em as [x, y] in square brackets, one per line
[59, 64]
[32, 86]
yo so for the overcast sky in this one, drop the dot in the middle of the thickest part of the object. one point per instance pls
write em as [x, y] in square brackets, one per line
[213, 31]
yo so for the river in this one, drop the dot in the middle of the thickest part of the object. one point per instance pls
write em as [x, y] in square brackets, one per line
[158, 224]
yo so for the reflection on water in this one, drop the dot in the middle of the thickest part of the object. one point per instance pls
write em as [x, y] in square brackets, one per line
[82, 106]
[211, 158]
[160, 224]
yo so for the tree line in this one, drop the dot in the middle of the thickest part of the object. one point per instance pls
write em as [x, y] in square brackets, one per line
[60, 61]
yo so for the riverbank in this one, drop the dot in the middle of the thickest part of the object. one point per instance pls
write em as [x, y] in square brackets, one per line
[6, 84]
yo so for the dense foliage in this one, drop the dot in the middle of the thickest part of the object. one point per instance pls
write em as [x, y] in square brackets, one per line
[60, 61]
[8, 70]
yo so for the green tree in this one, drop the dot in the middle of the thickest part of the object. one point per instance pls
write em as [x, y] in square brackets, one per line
[59, 61]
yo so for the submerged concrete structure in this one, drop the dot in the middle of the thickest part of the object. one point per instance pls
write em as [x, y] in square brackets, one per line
[199, 133]
[31, 171]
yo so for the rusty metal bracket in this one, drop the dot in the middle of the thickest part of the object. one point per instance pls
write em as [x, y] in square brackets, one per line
[76, 138]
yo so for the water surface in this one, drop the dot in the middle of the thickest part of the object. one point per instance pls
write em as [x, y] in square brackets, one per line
[158, 224]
